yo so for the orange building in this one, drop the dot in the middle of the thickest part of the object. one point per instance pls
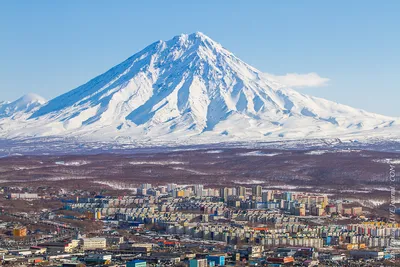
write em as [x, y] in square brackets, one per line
[19, 231]
[356, 211]
[280, 260]
[260, 229]
[90, 215]
[349, 246]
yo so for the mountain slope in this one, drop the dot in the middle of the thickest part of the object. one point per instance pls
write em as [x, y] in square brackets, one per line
[24, 105]
[191, 89]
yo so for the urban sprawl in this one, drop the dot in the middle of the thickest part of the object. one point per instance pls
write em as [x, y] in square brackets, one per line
[182, 225]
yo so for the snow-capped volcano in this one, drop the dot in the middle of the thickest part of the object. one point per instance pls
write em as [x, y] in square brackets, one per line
[191, 89]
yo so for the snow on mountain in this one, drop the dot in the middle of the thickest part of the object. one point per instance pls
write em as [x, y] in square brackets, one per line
[24, 105]
[192, 90]
[14, 115]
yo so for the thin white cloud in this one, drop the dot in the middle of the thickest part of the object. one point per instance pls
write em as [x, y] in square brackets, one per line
[296, 80]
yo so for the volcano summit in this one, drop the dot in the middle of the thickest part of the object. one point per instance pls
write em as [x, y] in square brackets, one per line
[190, 89]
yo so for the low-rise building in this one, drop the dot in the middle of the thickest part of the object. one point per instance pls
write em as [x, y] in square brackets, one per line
[94, 243]
[137, 247]
[136, 263]
[218, 260]
[19, 231]
[198, 263]
[26, 196]
[367, 254]
[60, 247]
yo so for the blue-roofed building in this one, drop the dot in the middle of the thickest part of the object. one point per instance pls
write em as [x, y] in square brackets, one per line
[198, 263]
[287, 196]
[136, 263]
[218, 259]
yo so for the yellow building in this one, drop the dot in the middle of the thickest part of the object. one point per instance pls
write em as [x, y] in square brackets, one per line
[350, 246]
[302, 211]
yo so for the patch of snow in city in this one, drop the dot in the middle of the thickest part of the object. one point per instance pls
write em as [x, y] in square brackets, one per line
[21, 168]
[189, 170]
[117, 185]
[157, 163]
[258, 153]
[288, 187]
[371, 203]
[378, 188]
[249, 182]
[316, 152]
[377, 202]
[321, 152]
[355, 191]
[387, 161]
[63, 191]
[395, 243]
[72, 163]
[62, 178]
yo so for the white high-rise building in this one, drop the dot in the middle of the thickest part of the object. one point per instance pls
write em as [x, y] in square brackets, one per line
[257, 191]
[145, 186]
[266, 196]
[241, 191]
[171, 187]
[198, 190]
[142, 191]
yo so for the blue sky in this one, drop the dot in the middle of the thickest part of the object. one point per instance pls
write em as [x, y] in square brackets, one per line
[50, 47]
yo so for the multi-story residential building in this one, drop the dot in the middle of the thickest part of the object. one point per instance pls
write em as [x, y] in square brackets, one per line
[241, 191]
[26, 196]
[257, 191]
[198, 190]
[171, 187]
[146, 186]
[266, 196]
